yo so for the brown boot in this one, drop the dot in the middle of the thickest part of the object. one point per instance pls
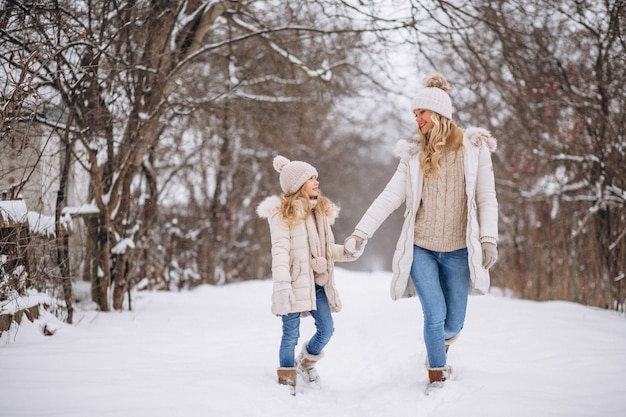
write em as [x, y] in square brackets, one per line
[287, 376]
[439, 375]
[436, 375]
[305, 363]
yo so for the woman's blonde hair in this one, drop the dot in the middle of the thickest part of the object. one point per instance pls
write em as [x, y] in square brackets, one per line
[445, 133]
[296, 207]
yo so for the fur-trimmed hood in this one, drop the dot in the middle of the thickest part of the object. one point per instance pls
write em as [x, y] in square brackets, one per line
[268, 207]
[475, 135]
[271, 205]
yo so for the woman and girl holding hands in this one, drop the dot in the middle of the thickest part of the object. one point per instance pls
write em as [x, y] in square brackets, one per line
[446, 246]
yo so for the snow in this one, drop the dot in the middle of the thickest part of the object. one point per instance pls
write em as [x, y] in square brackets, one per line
[13, 211]
[213, 351]
[44, 225]
[123, 246]
[82, 210]
[23, 302]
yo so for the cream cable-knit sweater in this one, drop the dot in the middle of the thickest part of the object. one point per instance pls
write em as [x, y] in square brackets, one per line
[441, 221]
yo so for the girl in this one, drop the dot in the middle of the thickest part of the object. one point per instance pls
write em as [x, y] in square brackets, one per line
[449, 237]
[303, 254]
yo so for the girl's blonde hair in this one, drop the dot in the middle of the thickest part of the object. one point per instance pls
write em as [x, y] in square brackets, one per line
[445, 133]
[294, 213]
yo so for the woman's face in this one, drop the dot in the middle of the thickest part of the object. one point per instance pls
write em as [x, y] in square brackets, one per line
[311, 186]
[422, 117]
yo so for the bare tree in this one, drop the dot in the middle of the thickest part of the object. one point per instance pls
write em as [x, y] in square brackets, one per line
[121, 78]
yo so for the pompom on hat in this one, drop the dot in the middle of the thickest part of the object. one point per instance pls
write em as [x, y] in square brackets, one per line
[434, 96]
[293, 174]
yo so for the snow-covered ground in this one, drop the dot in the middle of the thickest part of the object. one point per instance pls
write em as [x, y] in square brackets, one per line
[213, 351]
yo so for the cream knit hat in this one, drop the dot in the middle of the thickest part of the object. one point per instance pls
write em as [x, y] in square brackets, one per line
[293, 174]
[434, 96]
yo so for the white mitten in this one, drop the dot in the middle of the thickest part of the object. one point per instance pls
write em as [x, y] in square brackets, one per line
[283, 299]
[490, 254]
[354, 245]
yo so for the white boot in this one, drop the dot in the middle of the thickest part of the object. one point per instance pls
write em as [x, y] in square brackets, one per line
[305, 364]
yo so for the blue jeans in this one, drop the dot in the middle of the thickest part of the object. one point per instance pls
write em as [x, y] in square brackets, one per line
[442, 283]
[291, 330]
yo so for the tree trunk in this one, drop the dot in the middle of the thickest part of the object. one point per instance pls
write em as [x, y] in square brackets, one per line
[62, 236]
[120, 281]
[99, 288]
[90, 269]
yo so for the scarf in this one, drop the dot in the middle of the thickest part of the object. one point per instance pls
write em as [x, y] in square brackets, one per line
[316, 226]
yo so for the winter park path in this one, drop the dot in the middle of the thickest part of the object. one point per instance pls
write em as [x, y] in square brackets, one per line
[213, 352]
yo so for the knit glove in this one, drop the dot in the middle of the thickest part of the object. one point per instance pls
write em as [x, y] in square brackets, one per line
[490, 254]
[354, 245]
[283, 299]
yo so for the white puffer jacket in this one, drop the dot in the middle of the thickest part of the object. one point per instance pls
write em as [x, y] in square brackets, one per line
[291, 258]
[406, 186]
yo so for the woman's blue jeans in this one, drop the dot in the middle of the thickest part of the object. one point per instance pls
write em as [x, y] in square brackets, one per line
[442, 283]
[291, 330]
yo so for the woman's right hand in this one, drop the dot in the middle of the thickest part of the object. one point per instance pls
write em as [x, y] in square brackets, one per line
[354, 245]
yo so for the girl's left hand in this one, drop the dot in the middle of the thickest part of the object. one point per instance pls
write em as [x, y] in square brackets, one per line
[283, 299]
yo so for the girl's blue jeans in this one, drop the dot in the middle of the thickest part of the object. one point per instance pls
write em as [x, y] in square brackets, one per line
[442, 283]
[291, 330]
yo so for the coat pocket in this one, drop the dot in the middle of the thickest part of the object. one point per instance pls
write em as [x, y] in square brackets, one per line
[295, 269]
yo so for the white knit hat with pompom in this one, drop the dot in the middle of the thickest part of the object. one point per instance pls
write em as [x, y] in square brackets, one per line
[293, 174]
[434, 96]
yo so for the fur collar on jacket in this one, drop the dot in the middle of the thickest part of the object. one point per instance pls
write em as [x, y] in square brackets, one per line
[271, 206]
[476, 135]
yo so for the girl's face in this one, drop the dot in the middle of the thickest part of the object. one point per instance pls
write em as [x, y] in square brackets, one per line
[422, 117]
[311, 186]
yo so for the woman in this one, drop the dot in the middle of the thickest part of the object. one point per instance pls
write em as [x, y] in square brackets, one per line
[303, 255]
[449, 237]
